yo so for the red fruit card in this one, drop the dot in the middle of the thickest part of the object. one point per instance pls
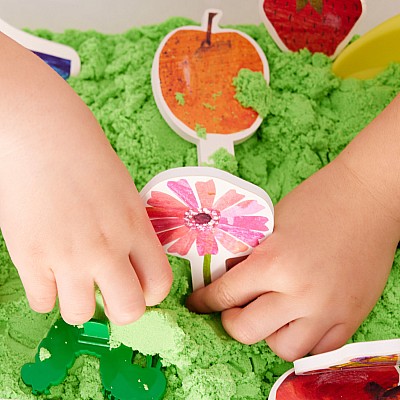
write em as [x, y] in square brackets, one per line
[324, 26]
[358, 371]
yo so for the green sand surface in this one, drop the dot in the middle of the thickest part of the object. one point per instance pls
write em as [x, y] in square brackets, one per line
[310, 115]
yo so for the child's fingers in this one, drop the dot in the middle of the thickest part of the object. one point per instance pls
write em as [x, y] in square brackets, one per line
[260, 318]
[40, 288]
[237, 287]
[154, 274]
[151, 265]
[334, 338]
[298, 337]
[76, 296]
[121, 291]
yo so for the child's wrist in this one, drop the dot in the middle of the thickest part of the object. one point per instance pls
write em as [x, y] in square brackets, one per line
[379, 180]
[373, 157]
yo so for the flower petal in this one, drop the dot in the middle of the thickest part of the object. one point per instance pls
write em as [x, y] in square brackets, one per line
[206, 192]
[243, 208]
[183, 245]
[206, 243]
[230, 243]
[252, 238]
[164, 224]
[164, 200]
[184, 191]
[254, 223]
[173, 234]
[160, 212]
[230, 198]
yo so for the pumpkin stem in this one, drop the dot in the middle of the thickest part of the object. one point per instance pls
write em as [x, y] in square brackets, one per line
[209, 26]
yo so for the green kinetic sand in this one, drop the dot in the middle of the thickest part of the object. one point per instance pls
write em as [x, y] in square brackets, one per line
[310, 115]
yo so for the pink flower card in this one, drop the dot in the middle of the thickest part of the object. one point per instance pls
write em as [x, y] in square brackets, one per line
[358, 371]
[207, 216]
[192, 81]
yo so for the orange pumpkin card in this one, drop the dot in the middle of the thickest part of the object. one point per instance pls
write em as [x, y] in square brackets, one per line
[192, 84]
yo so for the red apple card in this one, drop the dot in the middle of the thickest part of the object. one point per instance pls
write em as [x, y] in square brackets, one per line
[357, 371]
[63, 59]
[192, 76]
[324, 26]
[208, 217]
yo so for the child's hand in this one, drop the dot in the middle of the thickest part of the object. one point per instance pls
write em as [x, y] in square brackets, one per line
[309, 285]
[70, 213]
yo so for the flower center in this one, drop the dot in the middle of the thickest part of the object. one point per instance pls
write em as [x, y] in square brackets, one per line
[201, 218]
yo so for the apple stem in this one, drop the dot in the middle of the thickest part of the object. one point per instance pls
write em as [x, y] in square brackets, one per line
[209, 26]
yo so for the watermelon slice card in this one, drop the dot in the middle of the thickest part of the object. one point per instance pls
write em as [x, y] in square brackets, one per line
[361, 371]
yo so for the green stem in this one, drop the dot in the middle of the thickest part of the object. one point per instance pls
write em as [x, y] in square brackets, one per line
[207, 269]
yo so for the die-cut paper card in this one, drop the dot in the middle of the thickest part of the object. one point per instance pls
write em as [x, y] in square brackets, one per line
[192, 76]
[370, 54]
[324, 26]
[369, 384]
[63, 59]
[208, 217]
[380, 353]
[357, 371]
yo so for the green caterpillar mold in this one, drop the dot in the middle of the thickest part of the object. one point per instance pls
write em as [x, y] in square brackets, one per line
[121, 378]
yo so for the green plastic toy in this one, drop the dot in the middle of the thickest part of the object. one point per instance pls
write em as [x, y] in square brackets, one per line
[121, 378]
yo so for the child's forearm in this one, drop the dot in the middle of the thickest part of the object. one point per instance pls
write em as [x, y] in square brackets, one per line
[35, 102]
[374, 158]
[70, 214]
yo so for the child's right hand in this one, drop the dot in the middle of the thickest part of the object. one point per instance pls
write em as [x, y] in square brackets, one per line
[70, 213]
[310, 284]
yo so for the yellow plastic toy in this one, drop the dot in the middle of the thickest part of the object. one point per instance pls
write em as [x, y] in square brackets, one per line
[371, 53]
